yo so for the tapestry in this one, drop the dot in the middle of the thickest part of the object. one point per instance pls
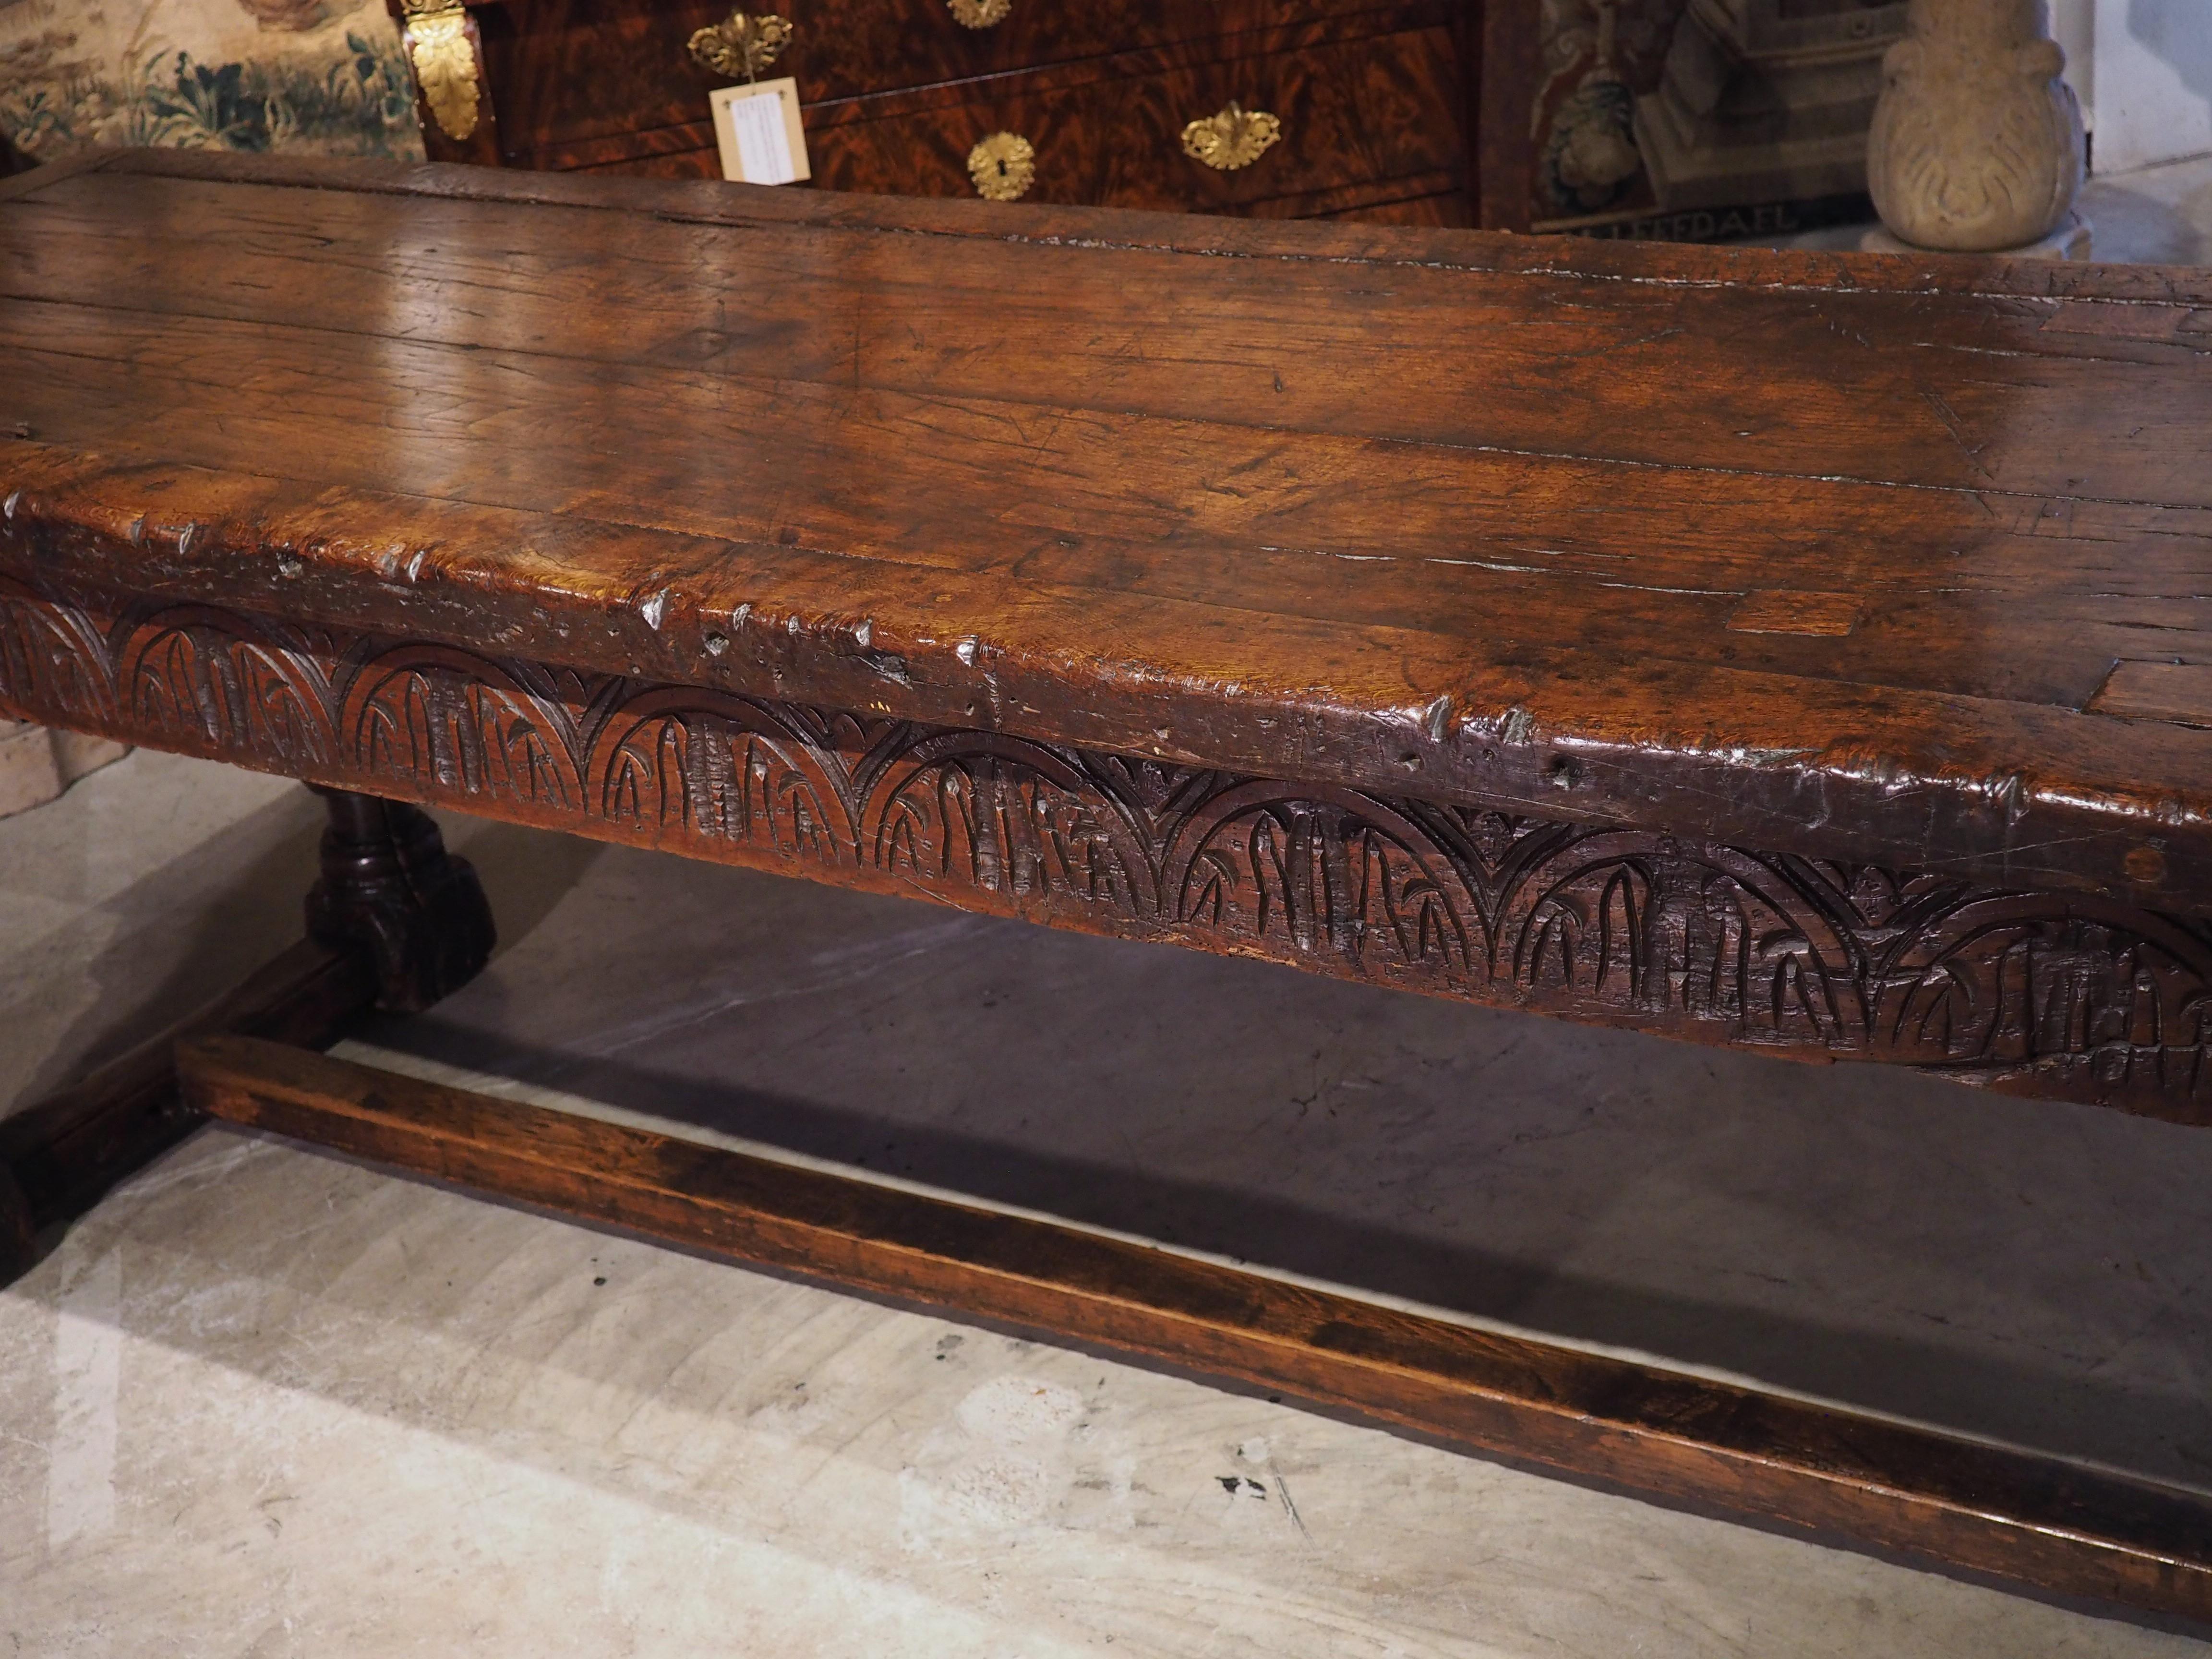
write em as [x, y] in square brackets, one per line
[321, 75]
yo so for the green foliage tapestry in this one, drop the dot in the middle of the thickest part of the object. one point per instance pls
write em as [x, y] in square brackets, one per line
[323, 76]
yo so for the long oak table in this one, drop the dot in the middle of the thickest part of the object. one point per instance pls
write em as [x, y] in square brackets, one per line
[1793, 652]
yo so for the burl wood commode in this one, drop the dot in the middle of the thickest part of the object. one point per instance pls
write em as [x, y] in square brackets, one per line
[1802, 654]
[1327, 108]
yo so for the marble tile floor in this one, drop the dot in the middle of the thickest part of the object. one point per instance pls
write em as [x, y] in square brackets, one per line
[264, 1401]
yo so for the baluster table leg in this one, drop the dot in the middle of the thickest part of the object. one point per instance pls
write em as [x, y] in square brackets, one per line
[395, 922]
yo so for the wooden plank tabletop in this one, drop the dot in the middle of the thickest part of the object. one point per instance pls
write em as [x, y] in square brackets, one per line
[1896, 559]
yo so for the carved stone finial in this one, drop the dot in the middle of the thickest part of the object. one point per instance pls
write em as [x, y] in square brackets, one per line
[1977, 144]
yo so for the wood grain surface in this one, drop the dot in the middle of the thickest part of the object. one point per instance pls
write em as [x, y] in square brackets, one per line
[1369, 112]
[1503, 70]
[1460, 517]
[1993, 1511]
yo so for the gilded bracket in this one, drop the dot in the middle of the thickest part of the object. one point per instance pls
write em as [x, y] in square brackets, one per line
[441, 49]
[741, 45]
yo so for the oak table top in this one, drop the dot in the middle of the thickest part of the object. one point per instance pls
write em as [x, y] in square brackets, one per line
[1892, 576]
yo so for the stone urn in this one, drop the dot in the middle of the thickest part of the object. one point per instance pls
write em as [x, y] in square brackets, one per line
[1977, 144]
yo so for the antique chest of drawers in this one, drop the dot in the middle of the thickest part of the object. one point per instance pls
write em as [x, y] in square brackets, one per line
[1328, 108]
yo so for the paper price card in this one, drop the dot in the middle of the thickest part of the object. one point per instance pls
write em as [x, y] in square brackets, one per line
[757, 128]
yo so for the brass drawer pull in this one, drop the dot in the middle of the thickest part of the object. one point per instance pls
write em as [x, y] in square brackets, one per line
[980, 14]
[1003, 165]
[741, 46]
[1235, 138]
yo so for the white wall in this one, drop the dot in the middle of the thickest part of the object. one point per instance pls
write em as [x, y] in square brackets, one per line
[2147, 84]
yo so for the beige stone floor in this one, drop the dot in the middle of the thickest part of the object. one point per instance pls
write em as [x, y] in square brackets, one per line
[264, 1401]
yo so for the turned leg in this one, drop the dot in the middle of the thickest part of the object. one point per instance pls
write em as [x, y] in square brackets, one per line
[394, 921]
[390, 888]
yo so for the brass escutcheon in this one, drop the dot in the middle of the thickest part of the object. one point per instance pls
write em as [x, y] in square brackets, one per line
[1003, 165]
[1235, 138]
[741, 46]
[979, 14]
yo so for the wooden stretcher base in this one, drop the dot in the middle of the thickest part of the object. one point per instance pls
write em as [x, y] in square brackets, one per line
[1838, 1475]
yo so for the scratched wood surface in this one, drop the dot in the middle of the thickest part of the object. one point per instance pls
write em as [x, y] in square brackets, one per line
[1838, 550]
[1339, 581]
